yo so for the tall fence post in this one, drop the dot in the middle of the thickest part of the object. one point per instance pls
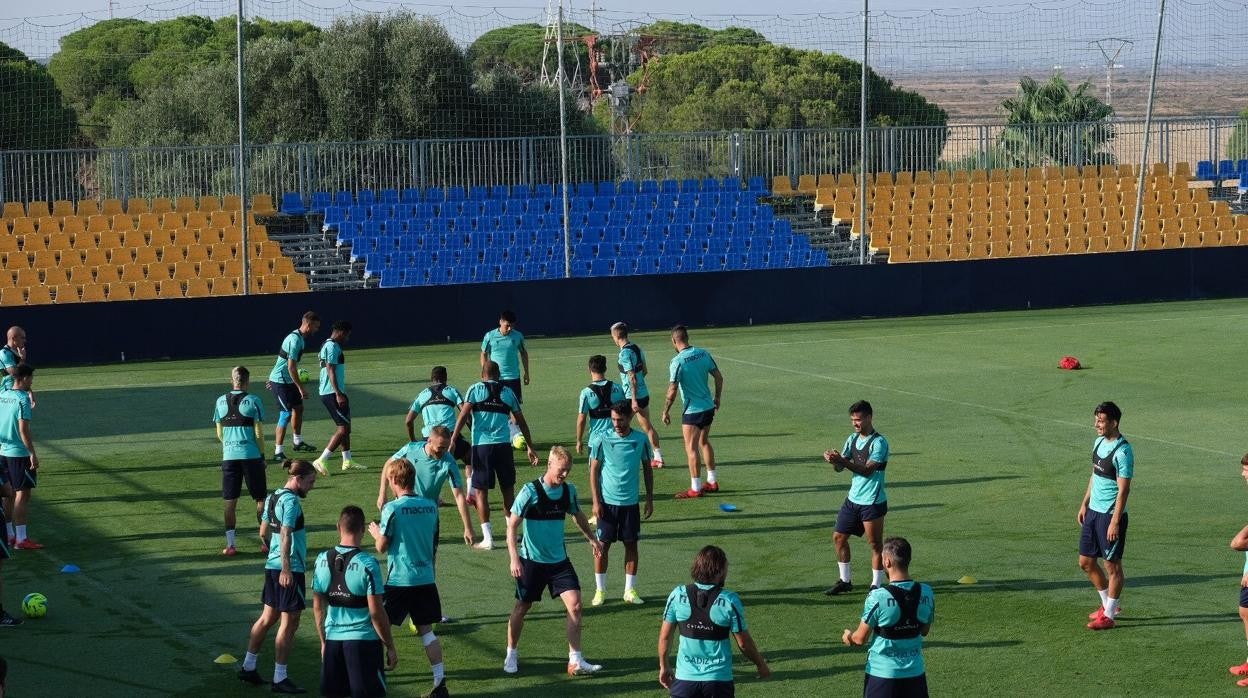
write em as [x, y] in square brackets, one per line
[242, 153]
[1148, 128]
[734, 154]
[1076, 145]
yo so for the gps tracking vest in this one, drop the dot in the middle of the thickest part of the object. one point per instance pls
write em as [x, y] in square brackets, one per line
[493, 403]
[699, 625]
[338, 593]
[636, 352]
[603, 393]
[282, 352]
[272, 507]
[342, 358]
[908, 627]
[436, 397]
[860, 456]
[1105, 467]
[547, 509]
[233, 417]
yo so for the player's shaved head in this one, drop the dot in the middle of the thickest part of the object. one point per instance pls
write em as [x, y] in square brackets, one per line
[16, 333]
[351, 520]
[620, 329]
[898, 549]
[490, 370]
[680, 333]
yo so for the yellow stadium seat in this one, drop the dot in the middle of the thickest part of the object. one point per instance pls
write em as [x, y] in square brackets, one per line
[172, 221]
[807, 185]
[137, 207]
[144, 256]
[233, 270]
[224, 286]
[98, 224]
[231, 202]
[134, 272]
[196, 253]
[37, 209]
[160, 271]
[81, 275]
[93, 293]
[210, 269]
[782, 186]
[196, 220]
[208, 204]
[27, 277]
[169, 289]
[221, 219]
[184, 204]
[183, 271]
[45, 259]
[10, 296]
[23, 226]
[198, 288]
[145, 290]
[74, 225]
[107, 274]
[62, 208]
[185, 236]
[38, 295]
[148, 222]
[134, 239]
[111, 207]
[79, 241]
[33, 242]
[8, 243]
[13, 210]
[222, 252]
[273, 283]
[172, 254]
[88, 208]
[262, 203]
[54, 276]
[121, 291]
[283, 265]
[106, 241]
[161, 206]
[17, 260]
[122, 223]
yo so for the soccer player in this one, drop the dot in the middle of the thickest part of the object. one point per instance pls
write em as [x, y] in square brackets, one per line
[633, 371]
[900, 614]
[17, 451]
[706, 614]
[433, 466]
[288, 389]
[540, 561]
[689, 371]
[595, 403]
[1103, 513]
[350, 617]
[1240, 543]
[239, 417]
[11, 354]
[490, 405]
[6, 619]
[334, 396]
[284, 586]
[614, 462]
[865, 455]
[408, 535]
[505, 347]
[439, 404]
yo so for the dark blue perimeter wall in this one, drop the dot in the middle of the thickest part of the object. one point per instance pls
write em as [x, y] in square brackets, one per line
[207, 327]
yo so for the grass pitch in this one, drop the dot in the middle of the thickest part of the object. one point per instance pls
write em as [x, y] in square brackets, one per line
[990, 457]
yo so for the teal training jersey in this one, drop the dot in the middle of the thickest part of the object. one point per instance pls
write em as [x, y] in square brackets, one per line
[239, 442]
[589, 401]
[14, 409]
[895, 659]
[332, 360]
[431, 473]
[363, 578]
[436, 412]
[705, 660]
[1105, 490]
[868, 490]
[632, 361]
[289, 513]
[691, 369]
[1246, 563]
[543, 540]
[622, 459]
[8, 360]
[411, 524]
[504, 350]
[491, 427]
[292, 350]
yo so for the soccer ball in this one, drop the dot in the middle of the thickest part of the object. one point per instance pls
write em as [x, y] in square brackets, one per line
[35, 605]
[518, 442]
[304, 375]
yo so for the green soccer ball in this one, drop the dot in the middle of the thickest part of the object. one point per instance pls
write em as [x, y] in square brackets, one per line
[519, 443]
[35, 605]
[304, 376]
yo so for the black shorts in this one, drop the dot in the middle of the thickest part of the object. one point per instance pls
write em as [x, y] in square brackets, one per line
[283, 599]
[492, 462]
[877, 687]
[516, 385]
[849, 520]
[536, 576]
[1094, 538]
[235, 472]
[702, 689]
[461, 450]
[353, 668]
[340, 415]
[701, 420]
[18, 473]
[287, 395]
[422, 603]
[1243, 597]
[4, 548]
[619, 522]
[643, 403]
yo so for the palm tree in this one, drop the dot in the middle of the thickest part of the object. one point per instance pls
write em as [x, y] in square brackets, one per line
[1051, 124]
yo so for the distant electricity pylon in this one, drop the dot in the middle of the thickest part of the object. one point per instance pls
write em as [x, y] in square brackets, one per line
[1110, 48]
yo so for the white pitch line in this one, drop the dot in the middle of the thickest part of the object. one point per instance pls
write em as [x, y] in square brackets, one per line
[963, 403]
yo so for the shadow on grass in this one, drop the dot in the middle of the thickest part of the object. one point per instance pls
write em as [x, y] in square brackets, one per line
[988, 586]
[1128, 622]
[800, 489]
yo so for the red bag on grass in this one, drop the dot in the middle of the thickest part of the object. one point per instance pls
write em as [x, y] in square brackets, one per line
[1070, 363]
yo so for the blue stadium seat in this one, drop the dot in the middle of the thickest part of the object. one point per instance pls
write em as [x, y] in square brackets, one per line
[647, 265]
[691, 185]
[625, 267]
[755, 259]
[689, 263]
[1205, 171]
[626, 188]
[670, 247]
[495, 256]
[669, 264]
[543, 191]
[583, 250]
[586, 189]
[478, 193]
[710, 184]
[687, 199]
[434, 195]
[1226, 169]
[388, 196]
[717, 246]
[410, 195]
[334, 215]
[343, 198]
[669, 186]
[380, 211]
[365, 197]
[521, 191]
[492, 207]
[500, 191]
[292, 204]
[712, 262]
[757, 185]
[601, 267]
[456, 194]
[606, 188]
[649, 186]
[731, 184]
[650, 248]
[602, 203]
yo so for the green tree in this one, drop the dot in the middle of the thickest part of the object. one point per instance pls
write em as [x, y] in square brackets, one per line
[680, 37]
[33, 114]
[1237, 146]
[1050, 123]
[520, 47]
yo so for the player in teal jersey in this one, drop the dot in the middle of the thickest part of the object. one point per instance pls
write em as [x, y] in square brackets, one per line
[1240, 543]
[408, 535]
[615, 460]
[900, 615]
[1103, 514]
[594, 404]
[865, 455]
[540, 561]
[239, 417]
[433, 467]
[688, 372]
[333, 391]
[282, 527]
[17, 453]
[633, 371]
[439, 405]
[288, 389]
[490, 405]
[505, 347]
[11, 354]
[6, 491]
[356, 644]
[706, 614]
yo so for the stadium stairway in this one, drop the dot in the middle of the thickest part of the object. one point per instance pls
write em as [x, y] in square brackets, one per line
[315, 253]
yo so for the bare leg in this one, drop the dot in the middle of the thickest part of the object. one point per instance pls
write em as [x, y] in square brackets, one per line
[483, 505]
[1116, 578]
[875, 539]
[841, 542]
[600, 562]
[434, 650]
[630, 558]
[708, 452]
[20, 504]
[260, 629]
[231, 519]
[296, 419]
[1093, 570]
[515, 623]
[339, 437]
[572, 601]
[509, 496]
[286, 636]
[690, 433]
[643, 419]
